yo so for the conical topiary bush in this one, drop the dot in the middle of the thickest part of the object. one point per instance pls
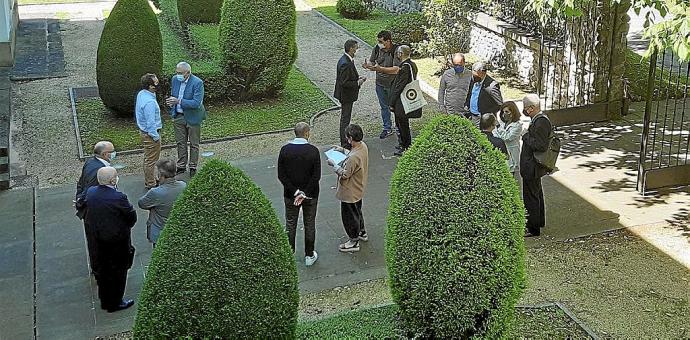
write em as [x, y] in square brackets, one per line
[222, 268]
[258, 46]
[454, 242]
[130, 47]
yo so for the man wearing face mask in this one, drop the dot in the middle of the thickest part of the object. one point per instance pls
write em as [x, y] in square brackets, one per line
[453, 87]
[103, 154]
[484, 95]
[384, 62]
[347, 86]
[187, 110]
[111, 217]
[148, 116]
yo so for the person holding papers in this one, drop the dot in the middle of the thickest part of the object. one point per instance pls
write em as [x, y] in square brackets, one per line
[352, 183]
[299, 170]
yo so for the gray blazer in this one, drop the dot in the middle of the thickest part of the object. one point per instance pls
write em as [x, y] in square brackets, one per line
[159, 201]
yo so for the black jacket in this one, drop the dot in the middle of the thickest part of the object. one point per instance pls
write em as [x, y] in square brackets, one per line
[299, 167]
[536, 139]
[498, 143]
[346, 82]
[111, 217]
[87, 179]
[401, 80]
[490, 98]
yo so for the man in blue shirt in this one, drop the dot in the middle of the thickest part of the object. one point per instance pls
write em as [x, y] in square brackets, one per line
[148, 115]
[484, 95]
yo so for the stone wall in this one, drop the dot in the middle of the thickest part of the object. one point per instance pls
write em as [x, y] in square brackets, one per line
[399, 6]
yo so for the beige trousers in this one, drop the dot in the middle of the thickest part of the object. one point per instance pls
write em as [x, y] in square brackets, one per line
[152, 153]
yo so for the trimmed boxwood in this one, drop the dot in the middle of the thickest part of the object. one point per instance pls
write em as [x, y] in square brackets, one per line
[130, 46]
[454, 242]
[353, 9]
[258, 45]
[222, 267]
[199, 11]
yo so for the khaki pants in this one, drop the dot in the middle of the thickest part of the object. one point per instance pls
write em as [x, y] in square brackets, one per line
[183, 133]
[152, 153]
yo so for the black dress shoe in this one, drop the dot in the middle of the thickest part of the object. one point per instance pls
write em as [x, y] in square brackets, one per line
[528, 234]
[123, 305]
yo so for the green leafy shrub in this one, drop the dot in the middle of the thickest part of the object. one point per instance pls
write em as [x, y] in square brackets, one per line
[408, 29]
[448, 29]
[454, 242]
[353, 9]
[222, 268]
[130, 46]
[199, 11]
[258, 59]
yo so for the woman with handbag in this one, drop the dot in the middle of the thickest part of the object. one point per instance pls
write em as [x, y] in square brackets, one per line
[510, 132]
[407, 72]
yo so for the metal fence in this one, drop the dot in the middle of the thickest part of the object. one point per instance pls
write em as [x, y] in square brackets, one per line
[665, 144]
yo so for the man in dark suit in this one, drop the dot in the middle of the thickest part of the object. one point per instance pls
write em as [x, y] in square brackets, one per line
[299, 170]
[347, 84]
[111, 217]
[535, 140]
[484, 95]
[487, 125]
[104, 153]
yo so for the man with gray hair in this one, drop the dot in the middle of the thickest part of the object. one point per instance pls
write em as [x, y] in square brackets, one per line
[453, 87]
[407, 72]
[535, 140]
[299, 170]
[159, 200]
[111, 217]
[187, 110]
[103, 154]
[484, 95]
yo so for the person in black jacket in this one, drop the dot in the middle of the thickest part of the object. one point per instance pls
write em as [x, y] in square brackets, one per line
[299, 170]
[484, 94]
[104, 153]
[403, 77]
[111, 217]
[347, 84]
[536, 139]
[487, 125]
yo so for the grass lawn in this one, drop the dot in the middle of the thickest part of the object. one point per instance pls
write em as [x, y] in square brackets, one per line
[46, 2]
[300, 100]
[382, 323]
[365, 29]
[637, 73]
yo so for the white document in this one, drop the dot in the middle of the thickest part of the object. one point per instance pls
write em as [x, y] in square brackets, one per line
[336, 156]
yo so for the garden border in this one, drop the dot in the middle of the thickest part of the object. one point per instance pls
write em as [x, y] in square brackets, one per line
[92, 92]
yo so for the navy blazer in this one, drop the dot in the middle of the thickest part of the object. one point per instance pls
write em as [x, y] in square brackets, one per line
[490, 98]
[87, 179]
[192, 99]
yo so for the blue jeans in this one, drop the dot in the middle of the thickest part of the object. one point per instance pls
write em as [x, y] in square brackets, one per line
[383, 93]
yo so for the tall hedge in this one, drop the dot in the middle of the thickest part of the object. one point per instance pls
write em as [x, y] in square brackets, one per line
[199, 11]
[258, 46]
[130, 46]
[222, 268]
[454, 242]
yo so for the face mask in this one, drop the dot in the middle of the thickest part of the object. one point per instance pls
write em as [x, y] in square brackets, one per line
[505, 117]
[381, 46]
[117, 181]
[156, 87]
[113, 155]
[476, 79]
[459, 69]
[180, 77]
[524, 112]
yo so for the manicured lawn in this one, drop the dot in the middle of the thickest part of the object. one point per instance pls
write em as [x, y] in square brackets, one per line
[45, 2]
[382, 322]
[300, 100]
[365, 29]
[637, 72]
[206, 36]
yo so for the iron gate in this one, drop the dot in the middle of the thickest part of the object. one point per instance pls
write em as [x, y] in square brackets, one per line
[665, 144]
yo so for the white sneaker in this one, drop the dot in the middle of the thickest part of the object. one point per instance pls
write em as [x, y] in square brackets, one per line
[309, 260]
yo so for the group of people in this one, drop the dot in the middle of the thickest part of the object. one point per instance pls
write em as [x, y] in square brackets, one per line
[108, 216]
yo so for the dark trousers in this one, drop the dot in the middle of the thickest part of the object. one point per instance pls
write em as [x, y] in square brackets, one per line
[353, 220]
[91, 247]
[309, 219]
[345, 117]
[533, 196]
[111, 287]
[403, 125]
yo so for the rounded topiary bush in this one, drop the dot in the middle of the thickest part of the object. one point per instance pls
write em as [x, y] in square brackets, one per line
[454, 242]
[408, 29]
[258, 46]
[222, 268]
[130, 46]
[199, 11]
[353, 9]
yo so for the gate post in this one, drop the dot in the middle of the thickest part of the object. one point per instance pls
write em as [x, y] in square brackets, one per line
[641, 167]
[613, 32]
